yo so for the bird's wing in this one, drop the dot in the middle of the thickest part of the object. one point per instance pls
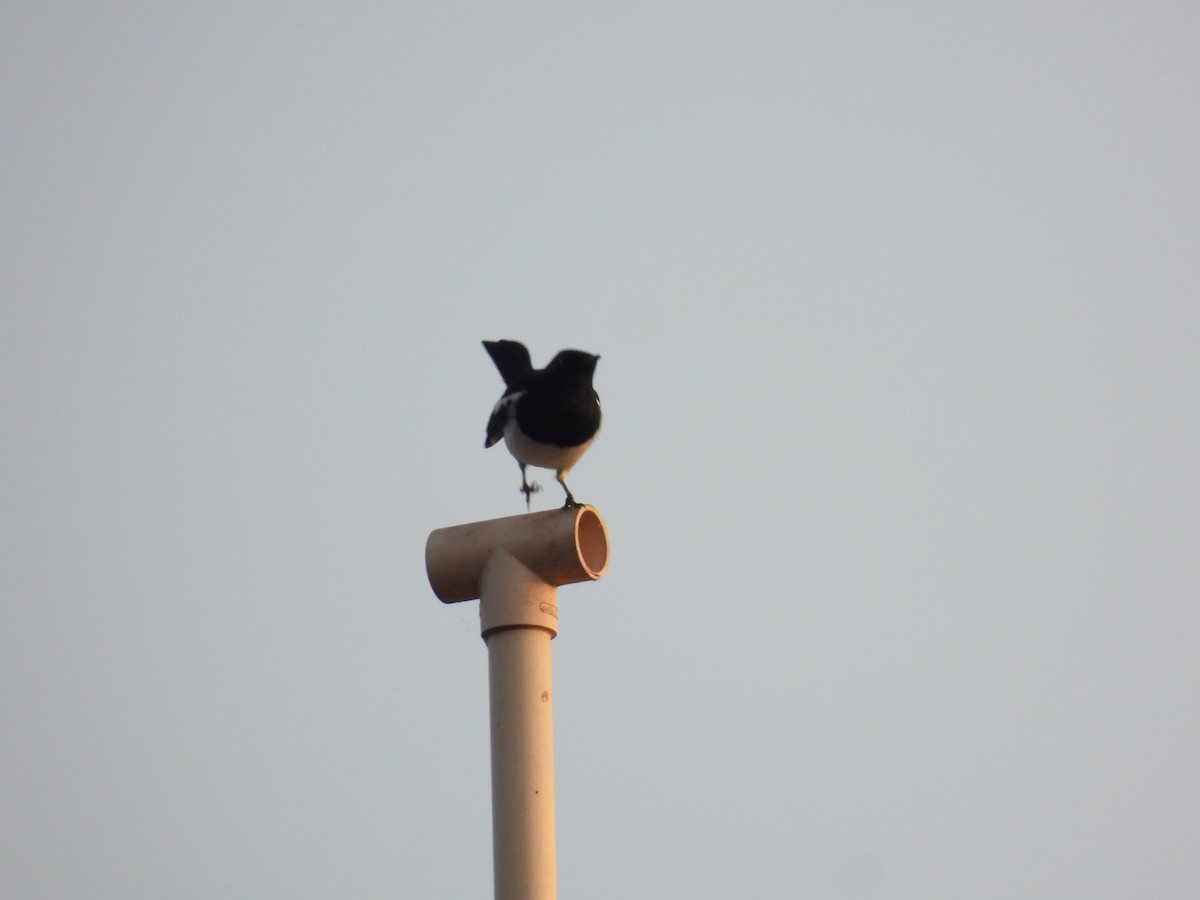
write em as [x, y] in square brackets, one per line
[504, 408]
[511, 358]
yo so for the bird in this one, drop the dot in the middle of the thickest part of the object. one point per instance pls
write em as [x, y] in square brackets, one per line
[547, 417]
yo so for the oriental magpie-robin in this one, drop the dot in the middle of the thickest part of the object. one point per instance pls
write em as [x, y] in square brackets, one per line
[547, 417]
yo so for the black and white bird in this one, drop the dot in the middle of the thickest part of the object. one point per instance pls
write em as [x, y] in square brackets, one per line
[547, 417]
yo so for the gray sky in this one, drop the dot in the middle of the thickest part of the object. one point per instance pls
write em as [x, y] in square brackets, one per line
[898, 313]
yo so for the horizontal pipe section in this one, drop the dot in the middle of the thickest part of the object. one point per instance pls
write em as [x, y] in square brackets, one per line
[561, 546]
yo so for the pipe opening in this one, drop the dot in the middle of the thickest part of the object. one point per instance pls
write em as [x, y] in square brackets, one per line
[592, 542]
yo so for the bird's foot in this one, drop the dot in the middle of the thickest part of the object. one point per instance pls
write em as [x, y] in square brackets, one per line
[529, 489]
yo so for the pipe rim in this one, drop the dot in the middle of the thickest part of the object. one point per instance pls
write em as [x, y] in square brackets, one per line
[591, 542]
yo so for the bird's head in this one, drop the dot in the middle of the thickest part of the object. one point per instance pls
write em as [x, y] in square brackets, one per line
[574, 362]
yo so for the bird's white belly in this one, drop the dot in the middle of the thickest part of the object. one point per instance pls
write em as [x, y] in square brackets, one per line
[535, 453]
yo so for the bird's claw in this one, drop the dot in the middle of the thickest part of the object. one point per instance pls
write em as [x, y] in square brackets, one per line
[529, 490]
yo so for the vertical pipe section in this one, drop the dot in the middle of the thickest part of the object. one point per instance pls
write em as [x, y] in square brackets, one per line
[522, 764]
[518, 618]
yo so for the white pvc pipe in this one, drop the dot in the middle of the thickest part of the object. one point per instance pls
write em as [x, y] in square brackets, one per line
[518, 617]
[513, 566]
[522, 764]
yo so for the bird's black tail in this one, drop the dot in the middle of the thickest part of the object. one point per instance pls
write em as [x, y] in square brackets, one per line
[510, 357]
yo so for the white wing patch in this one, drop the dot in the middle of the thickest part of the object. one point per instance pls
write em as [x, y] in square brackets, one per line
[507, 403]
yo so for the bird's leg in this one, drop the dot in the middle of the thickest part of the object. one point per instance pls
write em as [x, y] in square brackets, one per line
[526, 488]
[571, 502]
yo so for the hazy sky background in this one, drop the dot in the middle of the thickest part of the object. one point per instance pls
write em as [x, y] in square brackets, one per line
[899, 311]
